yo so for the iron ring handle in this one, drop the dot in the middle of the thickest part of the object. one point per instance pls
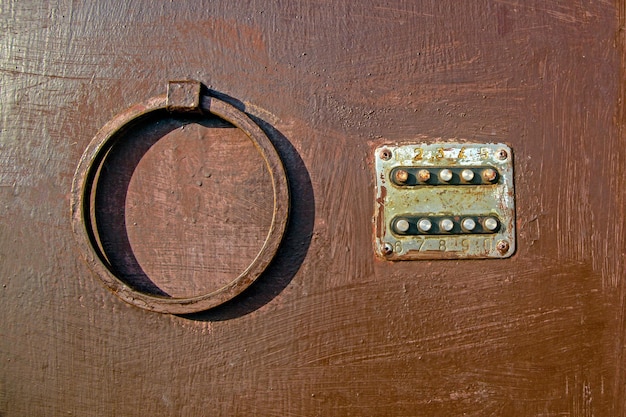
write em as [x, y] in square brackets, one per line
[181, 97]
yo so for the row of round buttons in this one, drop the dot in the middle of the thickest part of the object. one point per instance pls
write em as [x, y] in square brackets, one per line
[445, 225]
[415, 176]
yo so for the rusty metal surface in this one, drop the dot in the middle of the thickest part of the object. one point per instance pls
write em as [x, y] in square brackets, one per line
[86, 213]
[184, 96]
[330, 328]
[487, 194]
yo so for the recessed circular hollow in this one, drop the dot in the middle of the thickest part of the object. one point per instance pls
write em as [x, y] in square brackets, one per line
[84, 193]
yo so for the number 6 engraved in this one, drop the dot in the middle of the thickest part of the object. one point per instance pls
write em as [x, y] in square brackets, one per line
[398, 247]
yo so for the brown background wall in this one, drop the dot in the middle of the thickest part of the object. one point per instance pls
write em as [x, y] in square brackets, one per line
[330, 329]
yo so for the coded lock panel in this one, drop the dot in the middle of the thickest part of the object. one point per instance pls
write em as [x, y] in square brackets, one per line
[444, 201]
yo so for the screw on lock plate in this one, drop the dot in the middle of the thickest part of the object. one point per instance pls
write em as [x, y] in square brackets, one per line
[444, 201]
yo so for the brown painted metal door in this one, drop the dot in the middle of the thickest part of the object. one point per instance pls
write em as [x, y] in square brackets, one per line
[329, 328]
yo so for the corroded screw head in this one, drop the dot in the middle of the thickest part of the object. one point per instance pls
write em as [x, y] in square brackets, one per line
[502, 246]
[401, 176]
[387, 249]
[385, 154]
[502, 154]
[489, 174]
[423, 175]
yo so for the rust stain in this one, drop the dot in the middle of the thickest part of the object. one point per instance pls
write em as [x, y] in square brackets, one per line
[380, 215]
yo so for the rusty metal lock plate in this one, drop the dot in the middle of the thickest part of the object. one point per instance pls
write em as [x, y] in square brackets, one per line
[444, 201]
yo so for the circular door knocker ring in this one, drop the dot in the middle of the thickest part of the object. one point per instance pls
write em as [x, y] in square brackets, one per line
[182, 97]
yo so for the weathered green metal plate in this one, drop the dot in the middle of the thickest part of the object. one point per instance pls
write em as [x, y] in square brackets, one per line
[444, 201]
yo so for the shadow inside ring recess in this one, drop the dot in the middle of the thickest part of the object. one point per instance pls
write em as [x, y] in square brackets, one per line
[111, 191]
[109, 211]
[296, 240]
